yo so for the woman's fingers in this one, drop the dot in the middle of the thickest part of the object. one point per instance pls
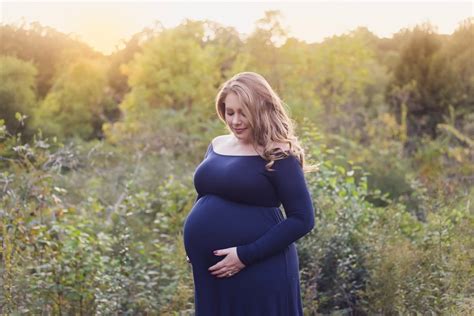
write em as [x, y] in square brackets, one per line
[226, 273]
[230, 264]
[221, 271]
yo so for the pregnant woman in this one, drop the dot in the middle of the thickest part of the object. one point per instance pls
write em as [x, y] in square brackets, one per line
[236, 238]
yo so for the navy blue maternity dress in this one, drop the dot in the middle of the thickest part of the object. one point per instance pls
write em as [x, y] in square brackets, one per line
[238, 206]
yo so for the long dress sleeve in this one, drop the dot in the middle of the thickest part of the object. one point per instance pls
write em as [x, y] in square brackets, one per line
[291, 188]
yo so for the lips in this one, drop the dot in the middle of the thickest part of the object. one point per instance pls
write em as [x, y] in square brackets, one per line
[240, 130]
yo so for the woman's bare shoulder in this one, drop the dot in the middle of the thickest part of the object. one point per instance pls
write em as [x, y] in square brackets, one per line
[220, 139]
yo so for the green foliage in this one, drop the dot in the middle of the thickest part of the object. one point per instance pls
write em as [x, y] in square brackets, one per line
[427, 79]
[187, 79]
[17, 91]
[382, 260]
[91, 219]
[297, 88]
[44, 47]
[68, 254]
[427, 271]
[116, 78]
[459, 51]
[261, 52]
[342, 67]
[332, 255]
[76, 103]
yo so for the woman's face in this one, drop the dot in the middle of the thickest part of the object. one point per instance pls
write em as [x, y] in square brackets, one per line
[236, 119]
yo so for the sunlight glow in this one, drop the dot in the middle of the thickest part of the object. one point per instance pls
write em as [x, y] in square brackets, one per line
[103, 25]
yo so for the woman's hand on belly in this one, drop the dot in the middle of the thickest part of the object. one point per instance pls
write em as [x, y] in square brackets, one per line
[228, 266]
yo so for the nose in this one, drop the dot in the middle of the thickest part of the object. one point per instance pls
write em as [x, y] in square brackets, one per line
[236, 120]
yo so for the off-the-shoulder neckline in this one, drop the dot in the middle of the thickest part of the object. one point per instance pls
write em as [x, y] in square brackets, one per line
[225, 155]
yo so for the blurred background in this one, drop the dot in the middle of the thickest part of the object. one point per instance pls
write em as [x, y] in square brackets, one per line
[106, 109]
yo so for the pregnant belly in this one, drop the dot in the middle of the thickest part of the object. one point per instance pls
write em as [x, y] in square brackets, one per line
[216, 223]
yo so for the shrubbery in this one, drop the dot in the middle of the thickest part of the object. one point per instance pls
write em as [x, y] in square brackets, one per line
[77, 239]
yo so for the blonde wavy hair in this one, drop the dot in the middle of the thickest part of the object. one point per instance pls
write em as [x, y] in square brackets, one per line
[267, 115]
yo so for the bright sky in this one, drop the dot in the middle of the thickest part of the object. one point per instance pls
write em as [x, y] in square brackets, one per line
[103, 24]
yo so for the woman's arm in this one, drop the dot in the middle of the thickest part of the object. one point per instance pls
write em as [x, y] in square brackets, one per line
[290, 185]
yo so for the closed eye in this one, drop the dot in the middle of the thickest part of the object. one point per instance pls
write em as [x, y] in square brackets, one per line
[230, 114]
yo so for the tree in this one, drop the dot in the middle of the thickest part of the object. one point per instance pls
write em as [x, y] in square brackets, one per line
[343, 70]
[173, 70]
[176, 75]
[459, 50]
[428, 73]
[44, 47]
[75, 104]
[225, 46]
[261, 48]
[117, 79]
[17, 91]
